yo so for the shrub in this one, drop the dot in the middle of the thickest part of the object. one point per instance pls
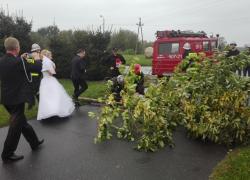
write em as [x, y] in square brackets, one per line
[204, 95]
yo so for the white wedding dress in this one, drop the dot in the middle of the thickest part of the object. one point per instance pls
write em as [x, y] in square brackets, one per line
[54, 100]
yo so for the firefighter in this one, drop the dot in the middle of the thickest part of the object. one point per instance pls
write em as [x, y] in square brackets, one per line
[36, 77]
[247, 49]
[233, 51]
[117, 86]
[246, 71]
[188, 53]
[114, 61]
[118, 83]
[140, 80]
[187, 50]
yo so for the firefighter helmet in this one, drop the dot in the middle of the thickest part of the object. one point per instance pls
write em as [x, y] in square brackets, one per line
[120, 79]
[187, 46]
[35, 47]
[137, 69]
[233, 43]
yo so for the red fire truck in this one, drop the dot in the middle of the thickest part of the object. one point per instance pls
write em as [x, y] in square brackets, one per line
[168, 48]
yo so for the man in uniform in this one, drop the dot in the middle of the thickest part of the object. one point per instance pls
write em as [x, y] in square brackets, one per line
[36, 76]
[14, 75]
[114, 61]
[246, 71]
[233, 51]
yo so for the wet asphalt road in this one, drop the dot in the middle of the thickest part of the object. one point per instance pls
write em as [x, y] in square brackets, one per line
[69, 153]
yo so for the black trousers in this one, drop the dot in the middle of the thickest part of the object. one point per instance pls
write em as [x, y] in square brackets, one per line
[34, 87]
[246, 71]
[80, 86]
[115, 72]
[18, 125]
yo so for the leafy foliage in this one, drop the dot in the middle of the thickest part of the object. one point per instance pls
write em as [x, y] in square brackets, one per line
[203, 95]
[62, 49]
[144, 119]
[96, 46]
[17, 27]
[214, 99]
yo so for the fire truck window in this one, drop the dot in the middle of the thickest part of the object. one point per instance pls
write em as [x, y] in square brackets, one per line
[168, 48]
[198, 46]
[206, 46]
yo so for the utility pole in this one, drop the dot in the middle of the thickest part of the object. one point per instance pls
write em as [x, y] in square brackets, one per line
[139, 31]
[54, 21]
[8, 10]
[103, 23]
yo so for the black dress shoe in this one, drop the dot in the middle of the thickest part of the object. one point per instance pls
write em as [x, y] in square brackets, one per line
[77, 104]
[38, 145]
[13, 158]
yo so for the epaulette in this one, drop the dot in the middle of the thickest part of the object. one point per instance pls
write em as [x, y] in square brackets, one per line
[31, 61]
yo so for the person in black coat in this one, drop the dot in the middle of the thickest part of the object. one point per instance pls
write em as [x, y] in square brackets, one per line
[36, 77]
[246, 70]
[78, 70]
[187, 50]
[117, 86]
[139, 80]
[114, 61]
[15, 91]
[233, 51]
[118, 83]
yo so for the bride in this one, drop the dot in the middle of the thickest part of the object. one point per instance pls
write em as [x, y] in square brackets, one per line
[54, 101]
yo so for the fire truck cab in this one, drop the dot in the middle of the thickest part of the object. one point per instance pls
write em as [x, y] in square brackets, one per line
[168, 48]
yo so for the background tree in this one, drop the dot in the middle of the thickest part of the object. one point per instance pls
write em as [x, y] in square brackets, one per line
[65, 44]
[16, 26]
[222, 43]
[6, 26]
[96, 53]
[123, 39]
[62, 49]
[44, 35]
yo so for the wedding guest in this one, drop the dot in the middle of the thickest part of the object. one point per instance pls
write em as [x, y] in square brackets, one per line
[14, 74]
[78, 75]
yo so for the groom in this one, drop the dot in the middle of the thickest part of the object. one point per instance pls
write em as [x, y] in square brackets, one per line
[78, 71]
[15, 91]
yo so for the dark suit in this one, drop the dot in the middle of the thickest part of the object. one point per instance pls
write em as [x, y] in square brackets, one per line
[15, 91]
[78, 70]
[232, 53]
[116, 88]
[140, 84]
[186, 53]
[113, 61]
[35, 85]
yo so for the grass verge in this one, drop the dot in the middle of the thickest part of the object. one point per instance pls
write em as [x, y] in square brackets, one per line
[140, 59]
[236, 166]
[96, 89]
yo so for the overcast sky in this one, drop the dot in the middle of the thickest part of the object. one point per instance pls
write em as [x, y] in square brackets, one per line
[229, 18]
